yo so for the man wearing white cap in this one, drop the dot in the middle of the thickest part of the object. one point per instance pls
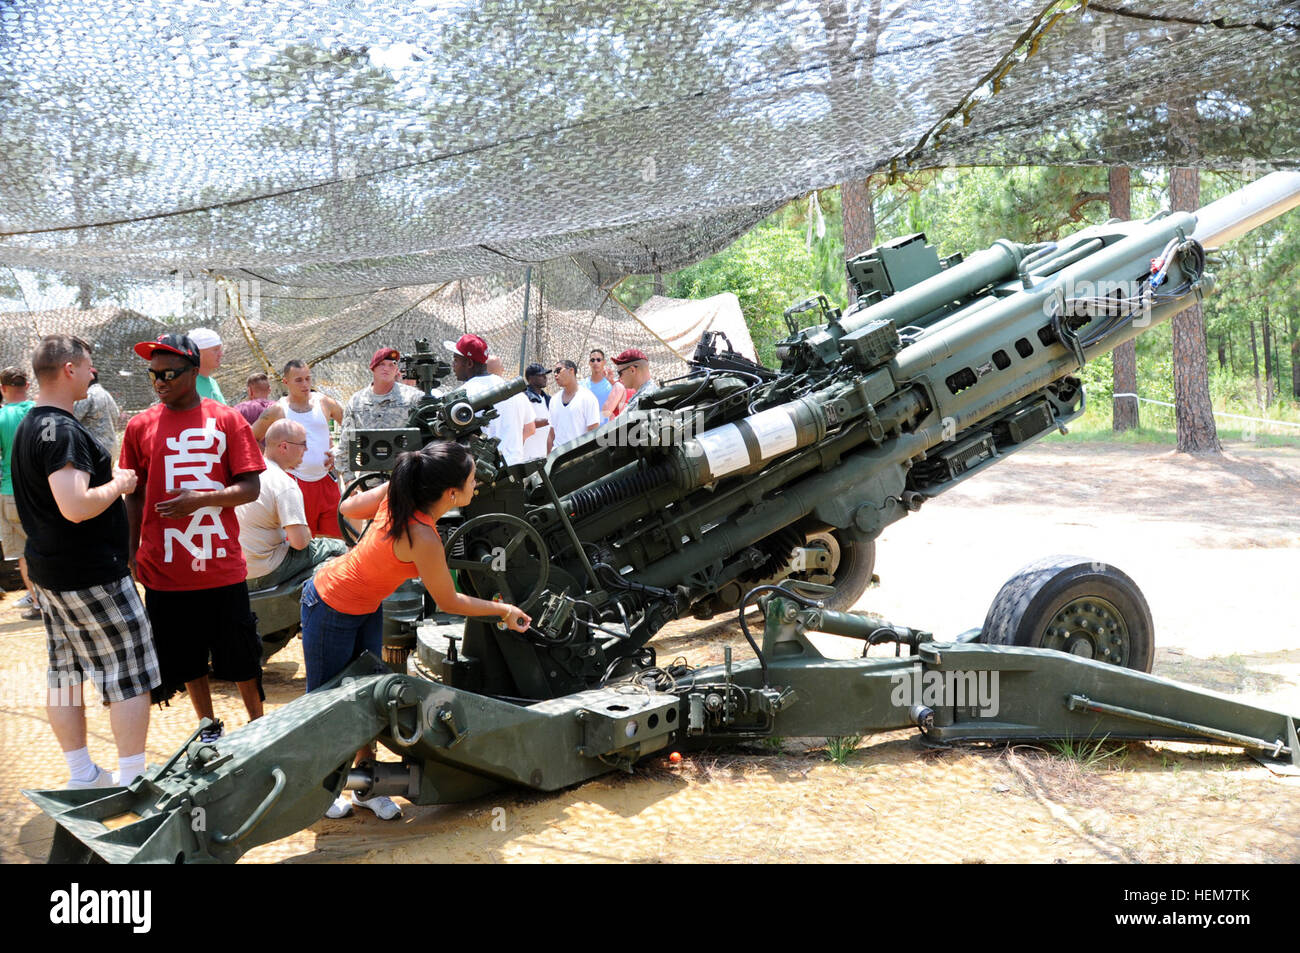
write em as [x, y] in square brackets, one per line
[209, 344]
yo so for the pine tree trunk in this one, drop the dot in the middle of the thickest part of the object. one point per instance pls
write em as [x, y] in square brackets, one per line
[852, 32]
[1268, 362]
[1295, 356]
[859, 221]
[1193, 410]
[1124, 410]
[1223, 351]
[1277, 357]
[1254, 350]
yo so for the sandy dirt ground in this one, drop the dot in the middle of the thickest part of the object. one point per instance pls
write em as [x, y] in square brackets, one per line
[1214, 544]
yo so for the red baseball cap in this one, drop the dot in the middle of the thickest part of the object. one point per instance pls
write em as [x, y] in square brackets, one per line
[630, 355]
[469, 346]
[385, 354]
[173, 344]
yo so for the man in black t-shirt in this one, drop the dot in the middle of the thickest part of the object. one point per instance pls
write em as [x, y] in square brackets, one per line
[69, 497]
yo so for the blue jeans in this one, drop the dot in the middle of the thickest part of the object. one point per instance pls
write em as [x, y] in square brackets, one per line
[331, 640]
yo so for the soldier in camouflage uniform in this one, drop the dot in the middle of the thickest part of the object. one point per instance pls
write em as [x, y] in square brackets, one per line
[99, 414]
[386, 403]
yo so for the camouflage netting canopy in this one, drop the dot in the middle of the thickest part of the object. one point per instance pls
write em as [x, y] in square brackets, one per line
[331, 150]
[359, 145]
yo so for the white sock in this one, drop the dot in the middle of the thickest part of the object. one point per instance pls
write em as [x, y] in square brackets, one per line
[80, 767]
[130, 768]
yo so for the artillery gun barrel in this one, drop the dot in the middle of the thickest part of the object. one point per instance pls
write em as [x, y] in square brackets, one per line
[493, 395]
[1249, 207]
[989, 267]
[964, 360]
[459, 409]
[967, 353]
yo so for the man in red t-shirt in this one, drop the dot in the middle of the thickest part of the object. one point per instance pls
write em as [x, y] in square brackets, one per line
[196, 461]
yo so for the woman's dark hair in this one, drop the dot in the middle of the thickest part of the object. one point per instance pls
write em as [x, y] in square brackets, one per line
[419, 480]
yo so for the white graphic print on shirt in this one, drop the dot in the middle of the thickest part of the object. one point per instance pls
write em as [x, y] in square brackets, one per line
[197, 451]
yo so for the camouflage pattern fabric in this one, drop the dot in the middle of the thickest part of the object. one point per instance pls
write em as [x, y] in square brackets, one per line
[366, 410]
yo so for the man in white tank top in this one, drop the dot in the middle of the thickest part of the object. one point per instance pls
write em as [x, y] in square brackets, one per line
[320, 492]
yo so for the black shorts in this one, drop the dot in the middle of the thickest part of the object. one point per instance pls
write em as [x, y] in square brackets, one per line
[189, 626]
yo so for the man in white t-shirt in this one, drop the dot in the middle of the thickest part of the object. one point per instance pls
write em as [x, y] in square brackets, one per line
[273, 528]
[514, 422]
[574, 410]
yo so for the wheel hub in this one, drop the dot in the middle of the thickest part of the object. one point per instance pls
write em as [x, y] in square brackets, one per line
[827, 542]
[1091, 628]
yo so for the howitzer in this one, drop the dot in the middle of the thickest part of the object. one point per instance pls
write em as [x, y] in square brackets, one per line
[733, 482]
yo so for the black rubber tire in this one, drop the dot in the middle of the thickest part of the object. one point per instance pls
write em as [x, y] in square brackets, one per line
[1029, 601]
[273, 642]
[11, 580]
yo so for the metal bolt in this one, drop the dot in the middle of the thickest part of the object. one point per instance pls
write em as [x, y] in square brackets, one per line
[1115, 640]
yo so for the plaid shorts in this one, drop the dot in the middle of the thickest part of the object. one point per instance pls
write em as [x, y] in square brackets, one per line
[101, 634]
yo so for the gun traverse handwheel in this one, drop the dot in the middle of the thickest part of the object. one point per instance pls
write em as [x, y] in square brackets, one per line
[513, 545]
[360, 485]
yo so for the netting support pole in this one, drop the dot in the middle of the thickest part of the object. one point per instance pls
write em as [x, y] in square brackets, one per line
[523, 338]
[236, 304]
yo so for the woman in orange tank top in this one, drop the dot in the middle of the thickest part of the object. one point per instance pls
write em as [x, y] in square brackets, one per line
[342, 614]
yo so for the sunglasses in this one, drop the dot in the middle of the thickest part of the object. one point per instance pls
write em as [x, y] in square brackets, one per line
[594, 360]
[558, 369]
[168, 375]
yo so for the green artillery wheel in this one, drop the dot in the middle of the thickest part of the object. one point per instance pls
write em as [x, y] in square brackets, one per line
[1074, 605]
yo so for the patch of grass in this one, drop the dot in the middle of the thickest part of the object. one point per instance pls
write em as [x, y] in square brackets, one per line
[1095, 426]
[1089, 753]
[774, 743]
[838, 749]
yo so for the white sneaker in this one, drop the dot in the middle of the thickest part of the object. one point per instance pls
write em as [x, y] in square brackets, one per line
[385, 808]
[25, 601]
[102, 779]
[341, 807]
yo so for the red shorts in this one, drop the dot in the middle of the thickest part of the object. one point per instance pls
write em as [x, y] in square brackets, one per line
[320, 500]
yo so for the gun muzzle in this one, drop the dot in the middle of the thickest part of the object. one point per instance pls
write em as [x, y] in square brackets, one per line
[461, 409]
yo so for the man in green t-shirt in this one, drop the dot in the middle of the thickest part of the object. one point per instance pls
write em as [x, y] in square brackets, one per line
[13, 385]
[209, 344]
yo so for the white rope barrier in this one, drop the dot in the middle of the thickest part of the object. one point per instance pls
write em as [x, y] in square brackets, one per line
[1258, 420]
